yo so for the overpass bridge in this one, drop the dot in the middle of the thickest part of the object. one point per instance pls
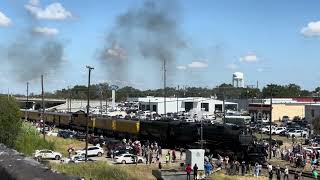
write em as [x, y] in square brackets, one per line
[35, 103]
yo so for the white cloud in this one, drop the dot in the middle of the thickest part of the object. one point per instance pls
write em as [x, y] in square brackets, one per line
[312, 29]
[4, 20]
[54, 11]
[232, 66]
[46, 31]
[197, 65]
[181, 67]
[249, 58]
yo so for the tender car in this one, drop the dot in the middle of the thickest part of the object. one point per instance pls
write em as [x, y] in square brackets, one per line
[47, 154]
[128, 158]
[92, 151]
[298, 133]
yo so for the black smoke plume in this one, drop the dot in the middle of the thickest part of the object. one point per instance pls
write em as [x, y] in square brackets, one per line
[34, 55]
[150, 31]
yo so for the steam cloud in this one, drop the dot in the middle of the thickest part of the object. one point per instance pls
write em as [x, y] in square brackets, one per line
[150, 31]
[32, 56]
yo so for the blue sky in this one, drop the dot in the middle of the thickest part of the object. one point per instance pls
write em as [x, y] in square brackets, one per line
[269, 41]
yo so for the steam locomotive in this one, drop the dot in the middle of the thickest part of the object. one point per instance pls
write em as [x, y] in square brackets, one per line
[223, 139]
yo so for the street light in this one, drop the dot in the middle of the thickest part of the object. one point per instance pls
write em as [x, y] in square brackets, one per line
[88, 106]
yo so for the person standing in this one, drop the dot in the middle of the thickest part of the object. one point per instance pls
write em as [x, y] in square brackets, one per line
[243, 168]
[188, 170]
[167, 157]
[195, 171]
[315, 173]
[278, 172]
[286, 173]
[181, 152]
[270, 174]
[256, 169]
[296, 175]
[174, 155]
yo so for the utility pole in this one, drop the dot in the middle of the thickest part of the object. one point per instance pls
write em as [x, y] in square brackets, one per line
[224, 108]
[201, 130]
[178, 100]
[100, 89]
[164, 88]
[88, 111]
[26, 118]
[270, 120]
[42, 114]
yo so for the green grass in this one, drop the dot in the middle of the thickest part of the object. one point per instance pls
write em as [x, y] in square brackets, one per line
[29, 140]
[222, 176]
[99, 171]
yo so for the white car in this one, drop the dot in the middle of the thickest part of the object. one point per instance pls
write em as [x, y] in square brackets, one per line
[310, 150]
[266, 129]
[47, 154]
[92, 151]
[128, 158]
[77, 159]
[298, 133]
[278, 130]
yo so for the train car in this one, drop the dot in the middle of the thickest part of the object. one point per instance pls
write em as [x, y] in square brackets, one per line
[34, 115]
[157, 130]
[63, 119]
[79, 121]
[126, 127]
[104, 125]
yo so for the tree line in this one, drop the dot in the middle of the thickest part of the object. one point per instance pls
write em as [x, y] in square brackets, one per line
[227, 91]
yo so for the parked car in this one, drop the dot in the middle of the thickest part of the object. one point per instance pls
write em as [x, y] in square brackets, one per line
[128, 158]
[266, 129]
[309, 150]
[92, 151]
[47, 154]
[298, 133]
[66, 133]
[285, 119]
[80, 136]
[278, 130]
[114, 144]
[273, 141]
[78, 159]
[121, 151]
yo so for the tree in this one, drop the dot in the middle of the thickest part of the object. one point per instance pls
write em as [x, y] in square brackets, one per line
[316, 125]
[10, 124]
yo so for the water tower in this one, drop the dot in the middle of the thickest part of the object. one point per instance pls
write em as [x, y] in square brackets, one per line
[237, 79]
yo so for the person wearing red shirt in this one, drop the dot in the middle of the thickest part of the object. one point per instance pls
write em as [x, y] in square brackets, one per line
[188, 170]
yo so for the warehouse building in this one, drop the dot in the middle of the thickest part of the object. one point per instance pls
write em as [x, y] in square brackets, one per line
[291, 107]
[174, 104]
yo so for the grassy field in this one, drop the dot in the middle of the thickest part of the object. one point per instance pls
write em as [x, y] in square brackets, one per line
[102, 170]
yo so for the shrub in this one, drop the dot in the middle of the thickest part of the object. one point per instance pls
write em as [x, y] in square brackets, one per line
[10, 124]
[29, 140]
